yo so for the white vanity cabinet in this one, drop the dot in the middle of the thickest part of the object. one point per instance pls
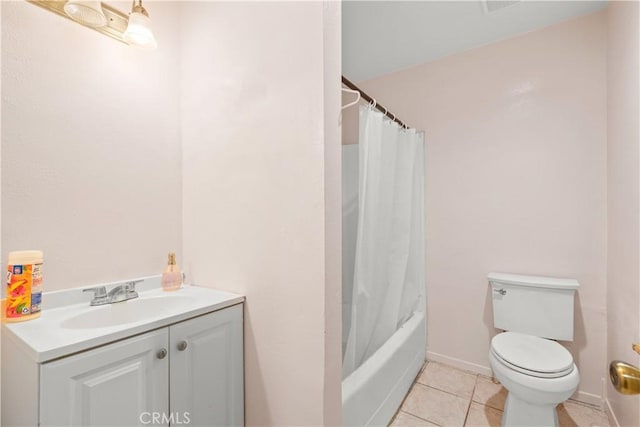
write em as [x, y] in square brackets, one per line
[206, 369]
[112, 385]
[185, 373]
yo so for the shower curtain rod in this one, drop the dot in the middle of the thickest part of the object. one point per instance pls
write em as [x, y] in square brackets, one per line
[369, 99]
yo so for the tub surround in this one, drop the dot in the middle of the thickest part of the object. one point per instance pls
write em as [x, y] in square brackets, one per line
[373, 392]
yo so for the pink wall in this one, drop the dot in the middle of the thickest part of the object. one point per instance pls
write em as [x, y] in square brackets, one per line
[515, 181]
[623, 167]
[227, 141]
[260, 175]
[332, 46]
[0, 197]
[91, 147]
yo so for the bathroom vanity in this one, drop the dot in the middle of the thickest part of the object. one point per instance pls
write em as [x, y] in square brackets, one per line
[162, 358]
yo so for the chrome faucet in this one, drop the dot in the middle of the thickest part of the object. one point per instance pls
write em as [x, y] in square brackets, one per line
[119, 293]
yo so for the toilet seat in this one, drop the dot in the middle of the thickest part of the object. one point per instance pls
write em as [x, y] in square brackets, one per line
[530, 355]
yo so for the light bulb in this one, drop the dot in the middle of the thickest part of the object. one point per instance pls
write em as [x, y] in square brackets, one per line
[138, 31]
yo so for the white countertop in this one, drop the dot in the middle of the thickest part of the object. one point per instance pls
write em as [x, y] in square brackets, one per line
[56, 334]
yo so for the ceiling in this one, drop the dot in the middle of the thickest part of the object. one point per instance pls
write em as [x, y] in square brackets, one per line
[380, 37]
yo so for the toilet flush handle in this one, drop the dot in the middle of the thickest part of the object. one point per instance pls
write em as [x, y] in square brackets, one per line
[500, 291]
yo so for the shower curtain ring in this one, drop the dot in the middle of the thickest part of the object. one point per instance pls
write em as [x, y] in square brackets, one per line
[374, 103]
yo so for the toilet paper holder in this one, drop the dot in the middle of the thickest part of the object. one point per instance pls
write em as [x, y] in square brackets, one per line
[625, 377]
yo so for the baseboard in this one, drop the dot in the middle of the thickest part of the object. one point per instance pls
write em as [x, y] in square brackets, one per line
[460, 364]
[588, 398]
[610, 414]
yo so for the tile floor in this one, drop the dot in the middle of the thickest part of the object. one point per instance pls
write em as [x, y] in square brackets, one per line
[446, 396]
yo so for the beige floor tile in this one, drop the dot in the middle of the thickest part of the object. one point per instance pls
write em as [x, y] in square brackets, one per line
[571, 414]
[403, 419]
[489, 393]
[448, 379]
[441, 397]
[483, 416]
[436, 406]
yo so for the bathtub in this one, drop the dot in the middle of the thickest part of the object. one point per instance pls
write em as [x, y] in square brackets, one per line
[373, 393]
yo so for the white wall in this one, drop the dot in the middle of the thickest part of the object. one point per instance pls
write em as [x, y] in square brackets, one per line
[623, 173]
[0, 195]
[515, 181]
[93, 172]
[91, 165]
[332, 46]
[254, 191]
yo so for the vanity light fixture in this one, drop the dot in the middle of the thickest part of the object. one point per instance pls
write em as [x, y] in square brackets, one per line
[138, 32]
[133, 29]
[86, 12]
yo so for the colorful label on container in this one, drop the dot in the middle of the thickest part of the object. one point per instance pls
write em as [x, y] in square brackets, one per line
[24, 290]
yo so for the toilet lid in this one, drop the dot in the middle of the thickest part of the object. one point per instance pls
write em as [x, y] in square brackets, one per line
[532, 355]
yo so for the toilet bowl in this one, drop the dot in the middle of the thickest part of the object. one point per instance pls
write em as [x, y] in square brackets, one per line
[538, 374]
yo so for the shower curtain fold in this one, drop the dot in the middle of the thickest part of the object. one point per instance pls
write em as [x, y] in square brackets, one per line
[388, 280]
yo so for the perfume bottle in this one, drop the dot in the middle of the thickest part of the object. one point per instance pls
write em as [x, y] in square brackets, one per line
[171, 276]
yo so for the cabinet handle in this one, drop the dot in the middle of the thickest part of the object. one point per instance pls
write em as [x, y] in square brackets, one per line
[162, 353]
[182, 346]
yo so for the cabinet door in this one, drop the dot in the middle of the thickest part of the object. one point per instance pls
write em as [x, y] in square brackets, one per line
[206, 372]
[120, 384]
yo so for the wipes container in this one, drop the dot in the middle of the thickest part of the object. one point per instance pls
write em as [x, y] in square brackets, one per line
[24, 286]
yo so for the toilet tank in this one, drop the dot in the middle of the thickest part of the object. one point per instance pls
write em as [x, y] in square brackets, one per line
[539, 306]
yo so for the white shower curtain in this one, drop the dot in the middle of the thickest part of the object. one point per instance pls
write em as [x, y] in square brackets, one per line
[388, 282]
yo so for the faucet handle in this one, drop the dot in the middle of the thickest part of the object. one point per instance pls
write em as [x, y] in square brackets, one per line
[98, 291]
[130, 288]
[99, 295]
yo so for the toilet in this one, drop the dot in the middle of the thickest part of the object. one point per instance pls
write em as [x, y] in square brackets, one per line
[537, 372]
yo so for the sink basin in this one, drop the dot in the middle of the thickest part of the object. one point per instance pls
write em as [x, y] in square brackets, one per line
[130, 311]
[68, 324]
